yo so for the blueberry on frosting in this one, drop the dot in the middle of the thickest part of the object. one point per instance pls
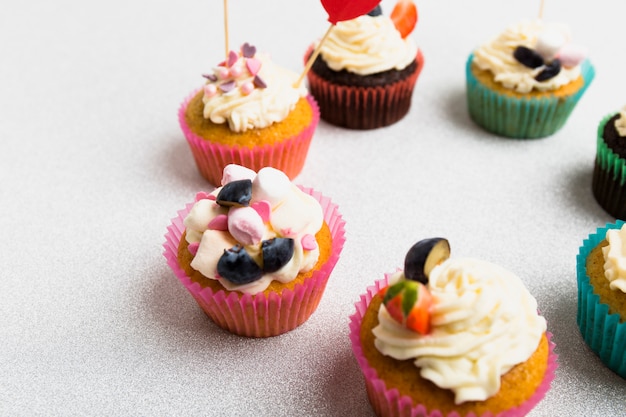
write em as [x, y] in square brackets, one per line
[424, 256]
[235, 194]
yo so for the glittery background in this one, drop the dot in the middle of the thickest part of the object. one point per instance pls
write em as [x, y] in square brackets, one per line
[93, 166]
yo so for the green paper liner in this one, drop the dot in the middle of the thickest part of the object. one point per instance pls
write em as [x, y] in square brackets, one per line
[603, 332]
[520, 118]
[609, 176]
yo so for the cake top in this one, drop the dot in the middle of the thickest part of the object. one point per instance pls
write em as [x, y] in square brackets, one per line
[615, 259]
[369, 44]
[482, 321]
[255, 228]
[249, 91]
[532, 55]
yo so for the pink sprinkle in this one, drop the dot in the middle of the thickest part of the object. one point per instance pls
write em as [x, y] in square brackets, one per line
[248, 50]
[264, 209]
[286, 232]
[259, 82]
[193, 248]
[232, 58]
[222, 73]
[219, 222]
[236, 71]
[253, 65]
[212, 197]
[210, 90]
[309, 242]
[201, 195]
[247, 88]
[227, 86]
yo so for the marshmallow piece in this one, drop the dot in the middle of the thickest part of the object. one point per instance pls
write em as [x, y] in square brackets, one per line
[201, 214]
[234, 172]
[549, 42]
[271, 185]
[572, 55]
[246, 225]
[211, 249]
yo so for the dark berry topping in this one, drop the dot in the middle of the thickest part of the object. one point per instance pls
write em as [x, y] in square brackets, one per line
[376, 11]
[276, 253]
[549, 71]
[528, 57]
[424, 256]
[237, 266]
[235, 194]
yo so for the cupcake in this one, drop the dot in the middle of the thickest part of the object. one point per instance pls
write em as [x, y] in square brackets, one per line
[250, 112]
[451, 337]
[257, 252]
[609, 172]
[364, 75]
[602, 294]
[525, 83]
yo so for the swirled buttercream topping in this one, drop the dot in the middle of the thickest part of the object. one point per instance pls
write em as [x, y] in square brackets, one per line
[250, 92]
[497, 56]
[620, 123]
[277, 209]
[483, 320]
[367, 45]
[615, 259]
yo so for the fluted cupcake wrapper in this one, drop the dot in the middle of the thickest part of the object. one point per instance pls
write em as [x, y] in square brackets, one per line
[357, 107]
[260, 315]
[388, 402]
[287, 155]
[520, 118]
[609, 176]
[602, 332]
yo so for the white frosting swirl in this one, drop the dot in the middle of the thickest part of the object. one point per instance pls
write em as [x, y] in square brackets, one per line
[262, 106]
[294, 214]
[620, 122]
[497, 57]
[484, 322]
[367, 45]
[615, 259]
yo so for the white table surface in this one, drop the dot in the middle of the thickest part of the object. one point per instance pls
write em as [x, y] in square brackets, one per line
[93, 166]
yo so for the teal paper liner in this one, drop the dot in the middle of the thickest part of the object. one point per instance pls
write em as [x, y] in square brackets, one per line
[609, 176]
[602, 331]
[520, 118]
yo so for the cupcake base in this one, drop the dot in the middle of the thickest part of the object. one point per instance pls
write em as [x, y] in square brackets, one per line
[603, 332]
[520, 117]
[260, 315]
[287, 154]
[390, 402]
[363, 106]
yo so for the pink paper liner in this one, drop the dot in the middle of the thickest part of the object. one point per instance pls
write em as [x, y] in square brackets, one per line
[389, 402]
[287, 155]
[357, 107]
[259, 315]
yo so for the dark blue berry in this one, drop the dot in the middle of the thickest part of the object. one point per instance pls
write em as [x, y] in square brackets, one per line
[549, 71]
[237, 266]
[276, 253]
[376, 11]
[528, 57]
[424, 256]
[235, 194]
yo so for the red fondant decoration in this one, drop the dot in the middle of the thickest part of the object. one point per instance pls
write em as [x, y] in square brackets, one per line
[339, 10]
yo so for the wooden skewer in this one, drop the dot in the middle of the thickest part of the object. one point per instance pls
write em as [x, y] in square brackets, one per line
[226, 49]
[541, 10]
[312, 58]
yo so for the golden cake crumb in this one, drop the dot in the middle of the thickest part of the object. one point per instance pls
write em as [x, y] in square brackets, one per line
[615, 299]
[297, 120]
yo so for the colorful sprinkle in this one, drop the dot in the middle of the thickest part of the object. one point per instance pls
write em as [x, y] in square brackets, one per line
[219, 222]
[201, 195]
[264, 209]
[222, 73]
[248, 50]
[232, 58]
[253, 65]
[227, 86]
[309, 242]
[236, 71]
[258, 82]
[193, 248]
[210, 90]
[247, 88]
[210, 77]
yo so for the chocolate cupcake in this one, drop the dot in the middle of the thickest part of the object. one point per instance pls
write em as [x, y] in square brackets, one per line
[367, 69]
[609, 174]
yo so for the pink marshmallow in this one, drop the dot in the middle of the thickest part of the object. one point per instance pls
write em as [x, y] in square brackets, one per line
[245, 225]
[193, 248]
[572, 55]
[234, 172]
